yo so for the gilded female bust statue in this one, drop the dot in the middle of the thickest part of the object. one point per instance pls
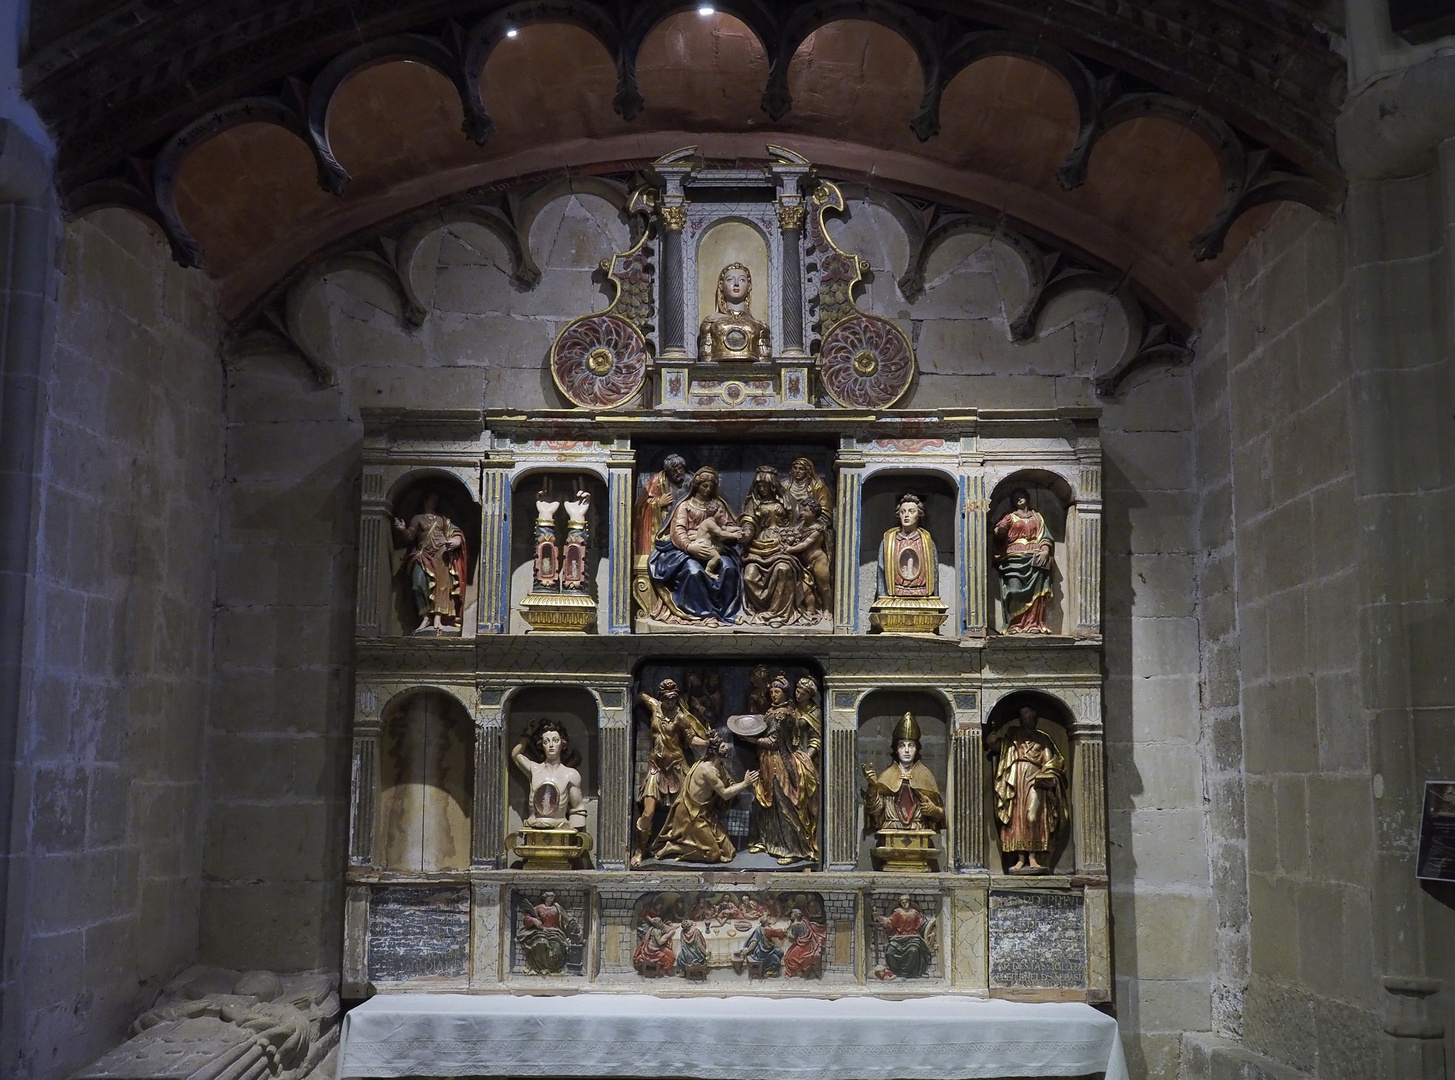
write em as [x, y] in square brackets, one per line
[731, 332]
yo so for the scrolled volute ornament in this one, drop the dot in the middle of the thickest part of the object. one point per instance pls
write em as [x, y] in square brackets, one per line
[865, 362]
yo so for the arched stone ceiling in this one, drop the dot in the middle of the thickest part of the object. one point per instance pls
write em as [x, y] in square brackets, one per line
[1066, 131]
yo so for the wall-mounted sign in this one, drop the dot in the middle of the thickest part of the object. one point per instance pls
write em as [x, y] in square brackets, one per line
[1436, 860]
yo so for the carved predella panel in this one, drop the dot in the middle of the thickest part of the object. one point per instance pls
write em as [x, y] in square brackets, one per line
[730, 937]
[906, 932]
[417, 932]
[1037, 940]
[548, 930]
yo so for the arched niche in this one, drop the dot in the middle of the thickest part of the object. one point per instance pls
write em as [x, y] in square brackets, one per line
[733, 240]
[426, 781]
[575, 709]
[1050, 496]
[879, 713]
[560, 485]
[717, 690]
[1055, 721]
[881, 492]
[408, 499]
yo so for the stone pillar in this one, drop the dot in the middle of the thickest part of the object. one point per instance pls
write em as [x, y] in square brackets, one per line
[494, 603]
[847, 525]
[839, 826]
[1087, 554]
[375, 531]
[790, 220]
[487, 811]
[967, 779]
[365, 789]
[1088, 798]
[618, 604]
[673, 331]
[354, 977]
[974, 578]
[28, 230]
[616, 808]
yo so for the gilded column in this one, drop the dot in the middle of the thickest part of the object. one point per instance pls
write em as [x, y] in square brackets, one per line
[487, 815]
[374, 532]
[846, 552]
[673, 331]
[615, 809]
[974, 578]
[790, 220]
[619, 550]
[838, 829]
[365, 782]
[1088, 798]
[1088, 554]
[967, 759]
[494, 550]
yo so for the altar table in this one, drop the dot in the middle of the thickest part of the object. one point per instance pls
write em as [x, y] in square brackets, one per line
[724, 1038]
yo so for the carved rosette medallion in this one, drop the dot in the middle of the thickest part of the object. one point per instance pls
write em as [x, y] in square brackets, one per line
[599, 361]
[866, 363]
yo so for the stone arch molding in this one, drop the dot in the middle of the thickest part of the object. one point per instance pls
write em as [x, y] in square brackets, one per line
[394, 260]
[376, 699]
[1252, 174]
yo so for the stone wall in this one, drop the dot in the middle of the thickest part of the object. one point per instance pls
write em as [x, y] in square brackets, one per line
[1279, 595]
[274, 854]
[107, 844]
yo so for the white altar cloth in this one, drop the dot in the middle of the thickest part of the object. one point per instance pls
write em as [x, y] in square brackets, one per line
[728, 1038]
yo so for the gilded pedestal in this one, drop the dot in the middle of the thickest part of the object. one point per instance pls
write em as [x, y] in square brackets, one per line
[560, 613]
[549, 849]
[906, 851]
[908, 614]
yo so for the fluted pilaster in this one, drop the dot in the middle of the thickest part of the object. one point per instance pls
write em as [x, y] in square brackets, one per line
[487, 814]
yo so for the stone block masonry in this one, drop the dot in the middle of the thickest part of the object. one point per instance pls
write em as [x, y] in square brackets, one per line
[106, 866]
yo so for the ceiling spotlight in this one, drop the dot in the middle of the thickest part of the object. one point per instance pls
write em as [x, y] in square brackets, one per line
[704, 10]
[512, 32]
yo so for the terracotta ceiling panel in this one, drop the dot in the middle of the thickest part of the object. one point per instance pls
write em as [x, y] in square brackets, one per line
[1008, 117]
[857, 80]
[550, 82]
[394, 121]
[1154, 181]
[702, 72]
[245, 190]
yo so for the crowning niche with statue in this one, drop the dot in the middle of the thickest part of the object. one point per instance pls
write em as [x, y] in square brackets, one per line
[772, 679]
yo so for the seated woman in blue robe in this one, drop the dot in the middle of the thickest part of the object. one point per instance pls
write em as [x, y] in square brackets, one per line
[696, 557]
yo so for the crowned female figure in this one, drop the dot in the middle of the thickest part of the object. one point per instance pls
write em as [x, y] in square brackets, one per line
[785, 794]
[731, 332]
[1023, 548]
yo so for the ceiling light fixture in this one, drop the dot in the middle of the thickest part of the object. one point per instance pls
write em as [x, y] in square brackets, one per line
[511, 32]
[704, 10]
